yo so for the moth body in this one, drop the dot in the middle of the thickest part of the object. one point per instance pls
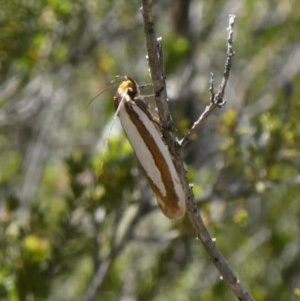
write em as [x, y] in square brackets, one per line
[152, 153]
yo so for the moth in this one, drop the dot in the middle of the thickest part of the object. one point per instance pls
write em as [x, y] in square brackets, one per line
[142, 131]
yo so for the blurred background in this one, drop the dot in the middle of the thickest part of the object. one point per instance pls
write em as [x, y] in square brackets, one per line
[77, 218]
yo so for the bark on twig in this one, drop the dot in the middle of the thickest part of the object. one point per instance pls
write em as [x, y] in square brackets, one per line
[155, 60]
[217, 99]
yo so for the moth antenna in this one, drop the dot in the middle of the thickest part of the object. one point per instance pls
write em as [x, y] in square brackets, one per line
[100, 93]
[111, 85]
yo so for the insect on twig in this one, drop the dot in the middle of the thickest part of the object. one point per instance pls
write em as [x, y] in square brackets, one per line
[142, 129]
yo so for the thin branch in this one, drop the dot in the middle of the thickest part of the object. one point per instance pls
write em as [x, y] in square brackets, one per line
[216, 99]
[156, 70]
[155, 60]
[207, 111]
[219, 97]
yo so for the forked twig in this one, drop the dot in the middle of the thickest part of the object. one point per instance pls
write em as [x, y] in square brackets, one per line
[217, 99]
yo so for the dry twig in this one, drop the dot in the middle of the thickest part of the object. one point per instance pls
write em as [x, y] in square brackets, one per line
[217, 100]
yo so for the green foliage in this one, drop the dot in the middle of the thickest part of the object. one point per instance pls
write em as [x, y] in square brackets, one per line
[75, 203]
[177, 49]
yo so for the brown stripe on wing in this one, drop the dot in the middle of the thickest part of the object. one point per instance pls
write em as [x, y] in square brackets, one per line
[168, 203]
